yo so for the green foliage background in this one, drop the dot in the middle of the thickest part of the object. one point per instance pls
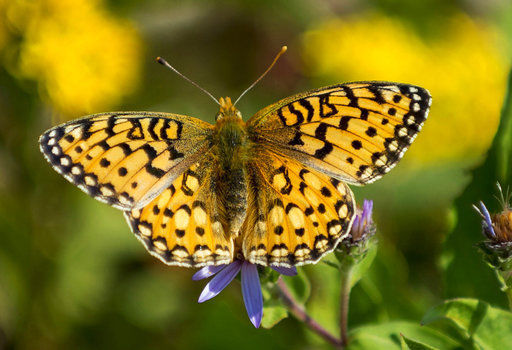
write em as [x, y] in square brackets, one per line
[72, 275]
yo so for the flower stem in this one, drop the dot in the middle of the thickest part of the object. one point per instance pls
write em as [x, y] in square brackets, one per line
[346, 277]
[299, 312]
[505, 278]
[508, 292]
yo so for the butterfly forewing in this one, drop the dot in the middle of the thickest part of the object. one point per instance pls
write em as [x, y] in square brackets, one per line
[295, 214]
[354, 132]
[125, 159]
[181, 225]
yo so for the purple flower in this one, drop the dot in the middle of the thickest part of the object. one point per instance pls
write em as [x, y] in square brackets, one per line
[497, 227]
[251, 288]
[360, 238]
[363, 222]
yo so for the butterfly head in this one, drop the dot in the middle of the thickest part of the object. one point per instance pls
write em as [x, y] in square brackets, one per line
[227, 109]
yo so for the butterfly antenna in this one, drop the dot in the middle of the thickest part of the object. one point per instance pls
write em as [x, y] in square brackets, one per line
[165, 63]
[283, 50]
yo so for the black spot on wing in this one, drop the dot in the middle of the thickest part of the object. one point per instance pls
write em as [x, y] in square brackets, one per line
[327, 109]
[305, 103]
[321, 153]
[151, 128]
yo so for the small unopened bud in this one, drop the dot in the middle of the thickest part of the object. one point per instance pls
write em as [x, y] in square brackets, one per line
[363, 226]
[357, 243]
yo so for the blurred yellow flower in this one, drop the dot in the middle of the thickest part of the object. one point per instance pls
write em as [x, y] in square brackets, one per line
[463, 68]
[83, 58]
[4, 34]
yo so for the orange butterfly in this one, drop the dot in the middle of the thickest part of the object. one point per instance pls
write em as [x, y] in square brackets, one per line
[272, 190]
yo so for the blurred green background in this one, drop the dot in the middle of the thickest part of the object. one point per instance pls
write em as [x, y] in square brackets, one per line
[72, 275]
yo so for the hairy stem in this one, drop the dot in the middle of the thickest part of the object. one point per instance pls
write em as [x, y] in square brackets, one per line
[299, 312]
[504, 277]
[346, 276]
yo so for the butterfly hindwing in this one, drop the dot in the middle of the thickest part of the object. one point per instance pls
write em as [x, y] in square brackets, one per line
[295, 214]
[125, 159]
[355, 132]
[181, 225]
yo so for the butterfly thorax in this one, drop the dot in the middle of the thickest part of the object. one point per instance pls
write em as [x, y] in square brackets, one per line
[231, 147]
[230, 136]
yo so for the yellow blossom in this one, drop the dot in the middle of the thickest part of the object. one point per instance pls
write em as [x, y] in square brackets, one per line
[463, 68]
[4, 34]
[83, 58]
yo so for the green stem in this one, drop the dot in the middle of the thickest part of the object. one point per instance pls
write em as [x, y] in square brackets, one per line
[346, 277]
[509, 297]
[505, 279]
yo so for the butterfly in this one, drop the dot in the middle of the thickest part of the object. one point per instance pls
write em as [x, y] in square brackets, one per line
[272, 190]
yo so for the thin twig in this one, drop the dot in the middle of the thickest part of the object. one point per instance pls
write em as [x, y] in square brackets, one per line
[344, 303]
[301, 315]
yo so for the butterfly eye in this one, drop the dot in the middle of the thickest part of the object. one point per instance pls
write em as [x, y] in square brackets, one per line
[218, 116]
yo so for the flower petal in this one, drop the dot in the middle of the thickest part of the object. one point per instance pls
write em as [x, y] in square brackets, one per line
[487, 223]
[207, 271]
[287, 271]
[367, 211]
[355, 231]
[251, 290]
[220, 281]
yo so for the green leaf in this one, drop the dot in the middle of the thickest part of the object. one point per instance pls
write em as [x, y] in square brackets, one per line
[477, 321]
[273, 312]
[273, 309]
[388, 336]
[504, 136]
[409, 344]
[360, 268]
[333, 264]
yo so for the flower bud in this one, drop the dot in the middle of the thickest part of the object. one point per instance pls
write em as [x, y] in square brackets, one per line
[357, 243]
[497, 229]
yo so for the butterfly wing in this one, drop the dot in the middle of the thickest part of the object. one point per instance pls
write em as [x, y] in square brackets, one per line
[125, 159]
[295, 214]
[309, 145]
[181, 226]
[353, 132]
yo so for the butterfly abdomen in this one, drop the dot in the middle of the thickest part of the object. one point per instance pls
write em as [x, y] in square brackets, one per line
[232, 147]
